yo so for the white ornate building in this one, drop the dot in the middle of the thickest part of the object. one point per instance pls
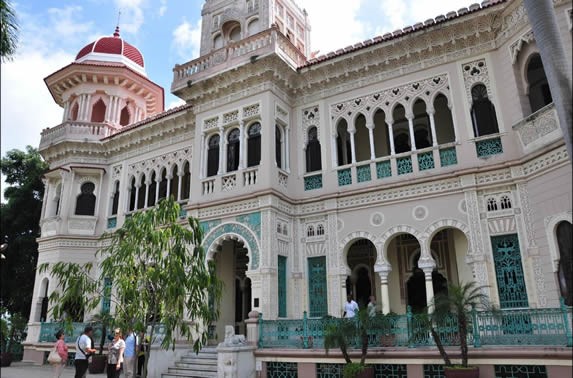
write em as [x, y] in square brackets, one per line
[428, 155]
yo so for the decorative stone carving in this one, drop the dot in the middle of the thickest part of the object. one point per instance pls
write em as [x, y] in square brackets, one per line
[527, 214]
[515, 47]
[405, 94]
[543, 162]
[310, 117]
[476, 72]
[239, 231]
[376, 219]
[538, 125]
[501, 226]
[420, 213]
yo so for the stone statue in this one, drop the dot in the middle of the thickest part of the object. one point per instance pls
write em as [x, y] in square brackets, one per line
[232, 340]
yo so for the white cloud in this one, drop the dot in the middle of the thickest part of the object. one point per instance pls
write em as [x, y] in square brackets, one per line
[187, 40]
[162, 8]
[336, 28]
[174, 104]
[131, 15]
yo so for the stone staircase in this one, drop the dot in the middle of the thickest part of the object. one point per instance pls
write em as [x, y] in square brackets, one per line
[191, 365]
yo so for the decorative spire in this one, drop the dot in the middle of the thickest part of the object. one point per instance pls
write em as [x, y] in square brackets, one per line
[116, 33]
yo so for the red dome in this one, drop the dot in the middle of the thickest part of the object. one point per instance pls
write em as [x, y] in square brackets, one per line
[113, 46]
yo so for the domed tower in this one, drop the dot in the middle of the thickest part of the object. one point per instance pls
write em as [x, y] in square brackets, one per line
[232, 20]
[106, 84]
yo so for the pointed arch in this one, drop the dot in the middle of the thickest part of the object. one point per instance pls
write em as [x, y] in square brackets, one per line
[98, 111]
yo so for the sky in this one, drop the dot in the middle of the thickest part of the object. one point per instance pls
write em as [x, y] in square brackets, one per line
[167, 32]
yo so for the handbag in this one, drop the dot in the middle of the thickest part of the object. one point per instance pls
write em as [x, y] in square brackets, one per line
[54, 357]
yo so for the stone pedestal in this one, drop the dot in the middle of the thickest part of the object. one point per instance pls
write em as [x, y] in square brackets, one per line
[235, 358]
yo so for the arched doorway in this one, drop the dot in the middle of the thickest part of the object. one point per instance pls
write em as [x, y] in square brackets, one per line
[361, 258]
[231, 261]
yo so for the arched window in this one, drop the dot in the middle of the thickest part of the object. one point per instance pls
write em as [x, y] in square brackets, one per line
[254, 27]
[124, 116]
[343, 149]
[174, 183]
[313, 158]
[539, 92]
[565, 271]
[141, 193]
[505, 202]
[484, 119]
[85, 203]
[491, 204]
[310, 231]
[56, 201]
[443, 120]
[98, 111]
[213, 156]
[217, 42]
[422, 132]
[186, 182]
[152, 190]
[319, 230]
[254, 145]
[278, 146]
[163, 185]
[235, 34]
[233, 147]
[115, 199]
[402, 140]
[74, 112]
[132, 194]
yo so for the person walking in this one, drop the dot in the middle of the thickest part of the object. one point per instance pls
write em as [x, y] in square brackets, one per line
[130, 354]
[144, 344]
[62, 350]
[84, 349]
[115, 354]
[350, 307]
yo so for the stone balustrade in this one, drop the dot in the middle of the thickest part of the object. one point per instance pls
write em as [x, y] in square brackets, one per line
[235, 53]
[230, 181]
[74, 131]
[539, 129]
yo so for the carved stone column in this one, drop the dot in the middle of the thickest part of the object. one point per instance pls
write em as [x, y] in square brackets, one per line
[410, 117]
[427, 264]
[370, 127]
[383, 271]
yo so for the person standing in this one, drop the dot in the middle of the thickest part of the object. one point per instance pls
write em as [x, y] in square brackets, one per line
[115, 355]
[350, 307]
[84, 348]
[62, 350]
[372, 306]
[141, 354]
[130, 354]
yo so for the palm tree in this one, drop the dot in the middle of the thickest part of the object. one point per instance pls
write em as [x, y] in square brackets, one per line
[457, 303]
[8, 30]
[544, 24]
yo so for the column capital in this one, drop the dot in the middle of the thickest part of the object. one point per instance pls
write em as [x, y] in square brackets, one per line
[410, 116]
[370, 125]
[383, 271]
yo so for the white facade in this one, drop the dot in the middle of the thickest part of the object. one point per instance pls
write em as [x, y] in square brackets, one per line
[407, 181]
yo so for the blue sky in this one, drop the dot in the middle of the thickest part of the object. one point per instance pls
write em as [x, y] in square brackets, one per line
[167, 32]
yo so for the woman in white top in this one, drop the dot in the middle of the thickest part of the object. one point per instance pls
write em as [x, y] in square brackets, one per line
[115, 355]
[350, 307]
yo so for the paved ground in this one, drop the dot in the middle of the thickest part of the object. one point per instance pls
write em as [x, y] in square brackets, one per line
[16, 370]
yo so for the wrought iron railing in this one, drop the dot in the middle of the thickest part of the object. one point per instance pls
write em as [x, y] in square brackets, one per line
[546, 326]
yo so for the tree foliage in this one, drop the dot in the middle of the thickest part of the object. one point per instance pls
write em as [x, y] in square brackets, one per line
[8, 30]
[20, 217]
[159, 275]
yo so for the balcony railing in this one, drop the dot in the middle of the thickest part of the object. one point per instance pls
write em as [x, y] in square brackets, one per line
[75, 131]
[549, 326]
[397, 165]
[231, 181]
[263, 43]
[539, 129]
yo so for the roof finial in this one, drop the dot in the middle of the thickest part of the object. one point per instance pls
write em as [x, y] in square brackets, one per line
[116, 33]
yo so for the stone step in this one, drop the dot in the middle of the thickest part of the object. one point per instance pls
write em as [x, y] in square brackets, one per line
[196, 363]
[190, 360]
[182, 370]
[190, 374]
[201, 356]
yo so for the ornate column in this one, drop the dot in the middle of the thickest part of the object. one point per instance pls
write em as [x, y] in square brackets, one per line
[242, 144]
[370, 127]
[410, 117]
[157, 182]
[202, 149]
[169, 176]
[137, 186]
[286, 155]
[352, 132]
[431, 113]
[222, 149]
[46, 183]
[427, 264]
[147, 185]
[66, 111]
[383, 271]
[180, 174]
[390, 123]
